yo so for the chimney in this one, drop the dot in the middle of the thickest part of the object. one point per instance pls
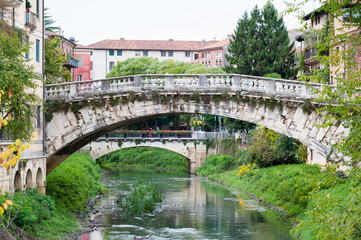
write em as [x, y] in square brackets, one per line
[203, 43]
[171, 39]
[121, 39]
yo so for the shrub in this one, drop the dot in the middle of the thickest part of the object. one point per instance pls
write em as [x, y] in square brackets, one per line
[74, 182]
[216, 164]
[142, 199]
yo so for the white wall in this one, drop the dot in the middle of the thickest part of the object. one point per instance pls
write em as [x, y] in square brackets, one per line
[101, 59]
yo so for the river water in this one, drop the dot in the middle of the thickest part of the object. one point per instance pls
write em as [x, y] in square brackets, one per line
[193, 208]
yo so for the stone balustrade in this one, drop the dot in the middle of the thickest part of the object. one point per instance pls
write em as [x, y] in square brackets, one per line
[183, 82]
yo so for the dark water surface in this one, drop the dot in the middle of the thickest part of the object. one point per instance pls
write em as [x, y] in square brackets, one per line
[193, 208]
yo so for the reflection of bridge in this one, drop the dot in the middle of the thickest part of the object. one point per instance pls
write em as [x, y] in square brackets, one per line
[90, 109]
[192, 147]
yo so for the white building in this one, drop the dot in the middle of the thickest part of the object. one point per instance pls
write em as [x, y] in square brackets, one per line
[28, 16]
[107, 53]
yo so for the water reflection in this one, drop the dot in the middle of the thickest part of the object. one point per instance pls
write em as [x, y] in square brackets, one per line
[193, 209]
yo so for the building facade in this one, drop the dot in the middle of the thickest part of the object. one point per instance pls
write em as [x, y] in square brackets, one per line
[30, 171]
[106, 53]
[84, 70]
[68, 47]
[213, 55]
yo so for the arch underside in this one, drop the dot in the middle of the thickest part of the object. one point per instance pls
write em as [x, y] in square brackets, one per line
[68, 132]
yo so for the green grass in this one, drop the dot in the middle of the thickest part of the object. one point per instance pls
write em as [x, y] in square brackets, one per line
[154, 158]
[327, 206]
[216, 164]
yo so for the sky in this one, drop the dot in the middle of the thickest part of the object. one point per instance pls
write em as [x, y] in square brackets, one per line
[89, 21]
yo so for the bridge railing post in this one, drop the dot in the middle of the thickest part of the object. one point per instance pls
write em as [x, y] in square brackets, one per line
[105, 85]
[271, 88]
[137, 81]
[202, 80]
[236, 82]
[73, 91]
[169, 82]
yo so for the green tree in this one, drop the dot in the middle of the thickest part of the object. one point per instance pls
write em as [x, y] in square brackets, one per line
[54, 62]
[342, 46]
[49, 22]
[18, 83]
[146, 65]
[260, 45]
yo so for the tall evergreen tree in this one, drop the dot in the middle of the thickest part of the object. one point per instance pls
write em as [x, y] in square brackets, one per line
[260, 45]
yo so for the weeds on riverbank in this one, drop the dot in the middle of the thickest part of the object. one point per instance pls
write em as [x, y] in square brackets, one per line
[326, 203]
[142, 199]
[216, 164]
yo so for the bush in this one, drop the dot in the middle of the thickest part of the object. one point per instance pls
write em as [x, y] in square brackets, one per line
[39, 216]
[145, 157]
[216, 164]
[74, 182]
[270, 148]
[141, 199]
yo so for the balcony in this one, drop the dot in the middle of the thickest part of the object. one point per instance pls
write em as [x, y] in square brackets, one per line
[10, 3]
[308, 57]
[30, 20]
[71, 63]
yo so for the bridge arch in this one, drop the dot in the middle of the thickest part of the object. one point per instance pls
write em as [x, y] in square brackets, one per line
[29, 179]
[280, 107]
[17, 181]
[183, 147]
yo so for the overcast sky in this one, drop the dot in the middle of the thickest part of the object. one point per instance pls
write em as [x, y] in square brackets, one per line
[89, 21]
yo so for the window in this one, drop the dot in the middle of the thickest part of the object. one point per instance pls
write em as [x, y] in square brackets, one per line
[170, 54]
[27, 52]
[208, 54]
[37, 8]
[37, 50]
[145, 53]
[79, 77]
[219, 53]
[187, 54]
[111, 53]
[80, 58]
[111, 65]
[202, 55]
[163, 53]
[119, 53]
[38, 116]
[91, 53]
[195, 56]
[137, 53]
[331, 80]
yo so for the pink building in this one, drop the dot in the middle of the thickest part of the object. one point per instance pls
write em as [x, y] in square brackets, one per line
[84, 70]
[213, 55]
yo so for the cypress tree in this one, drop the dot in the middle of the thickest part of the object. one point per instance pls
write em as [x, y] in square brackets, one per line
[260, 45]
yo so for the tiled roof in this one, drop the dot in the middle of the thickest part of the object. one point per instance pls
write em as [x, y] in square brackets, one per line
[172, 45]
[216, 45]
[80, 46]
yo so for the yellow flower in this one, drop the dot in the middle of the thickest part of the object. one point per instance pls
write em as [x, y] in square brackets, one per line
[17, 142]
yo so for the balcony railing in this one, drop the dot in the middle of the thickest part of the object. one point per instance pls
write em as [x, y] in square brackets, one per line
[309, 54]
[30, 20]
[72, 63]
[10, 3]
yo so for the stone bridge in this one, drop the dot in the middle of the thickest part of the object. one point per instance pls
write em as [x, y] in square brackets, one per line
[80, 112]
[193, 148]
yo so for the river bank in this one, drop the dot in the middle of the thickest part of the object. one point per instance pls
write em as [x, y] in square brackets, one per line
[324, 204]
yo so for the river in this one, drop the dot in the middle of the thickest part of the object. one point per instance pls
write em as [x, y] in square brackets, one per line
[193, 208]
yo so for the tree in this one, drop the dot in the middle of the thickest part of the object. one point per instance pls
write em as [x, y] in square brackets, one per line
[260, 45]
[343, 44]
[146, 65]
[54, 62]
[48, 21]
[17, 85]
